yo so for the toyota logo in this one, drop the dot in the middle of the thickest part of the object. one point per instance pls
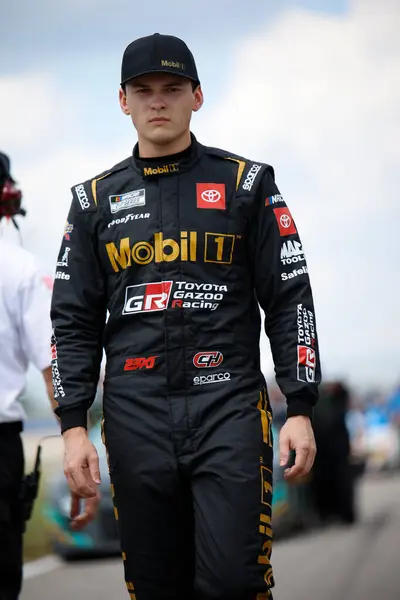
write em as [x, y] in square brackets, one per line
[211, 196]
[285, 221]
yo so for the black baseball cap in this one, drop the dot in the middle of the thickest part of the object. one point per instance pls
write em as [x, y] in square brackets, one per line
[158, 53]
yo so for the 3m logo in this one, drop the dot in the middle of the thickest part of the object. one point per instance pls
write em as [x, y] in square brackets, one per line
[135, 364]
[206, 360]
[306, 364]
[147, 297]
[285, 221]
[53, 352]
[211, 195]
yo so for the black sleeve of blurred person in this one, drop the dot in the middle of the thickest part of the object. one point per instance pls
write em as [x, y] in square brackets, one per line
[78, 314]
[287, 301]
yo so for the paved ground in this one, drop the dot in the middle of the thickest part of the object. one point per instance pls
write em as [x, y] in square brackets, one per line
[359, 563]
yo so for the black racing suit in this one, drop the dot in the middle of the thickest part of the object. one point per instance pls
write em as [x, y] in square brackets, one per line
[165, 262]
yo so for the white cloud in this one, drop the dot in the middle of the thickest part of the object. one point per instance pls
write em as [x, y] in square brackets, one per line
[318, 97]
[28, 111]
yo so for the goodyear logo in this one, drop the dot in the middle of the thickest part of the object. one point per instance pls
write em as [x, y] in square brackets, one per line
[161, 170]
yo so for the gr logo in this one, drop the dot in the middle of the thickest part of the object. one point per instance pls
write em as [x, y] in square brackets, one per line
[147, 297]
[306, 364]
[205, 360]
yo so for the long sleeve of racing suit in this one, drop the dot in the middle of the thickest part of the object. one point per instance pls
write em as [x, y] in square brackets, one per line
[78, 314]
[283, 289]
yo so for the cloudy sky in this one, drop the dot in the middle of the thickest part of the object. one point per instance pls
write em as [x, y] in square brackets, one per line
[309, 86]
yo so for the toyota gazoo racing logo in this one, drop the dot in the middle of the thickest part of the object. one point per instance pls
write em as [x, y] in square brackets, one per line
[147, 297]
[211, 196]
[150, 297]
[306, 342]
[207, 360]
[212, 378]
[305, 327]
[56, 377]
[306, 364]
[251, 176]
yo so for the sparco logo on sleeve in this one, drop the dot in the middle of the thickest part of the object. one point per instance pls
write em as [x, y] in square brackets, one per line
[82, 196]
[205, 360]
[251, 176]
[127, 200]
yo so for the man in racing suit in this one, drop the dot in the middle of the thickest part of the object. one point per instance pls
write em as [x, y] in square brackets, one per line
[167, 256]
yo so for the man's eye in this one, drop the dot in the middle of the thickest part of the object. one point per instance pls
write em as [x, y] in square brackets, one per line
[173, 89]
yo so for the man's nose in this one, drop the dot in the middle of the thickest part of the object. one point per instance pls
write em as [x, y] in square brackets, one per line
[158, 102]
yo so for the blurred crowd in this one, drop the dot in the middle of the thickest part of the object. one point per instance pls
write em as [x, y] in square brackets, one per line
[369, 420]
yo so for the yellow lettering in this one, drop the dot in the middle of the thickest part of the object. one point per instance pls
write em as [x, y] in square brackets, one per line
[160, 244]
[220, 243]
[143, 247]
[123, 257]
[184, 245]
[162, 250]
[193, 246]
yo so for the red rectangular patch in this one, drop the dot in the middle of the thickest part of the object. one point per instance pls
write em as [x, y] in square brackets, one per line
[211, 195]
[285, 221]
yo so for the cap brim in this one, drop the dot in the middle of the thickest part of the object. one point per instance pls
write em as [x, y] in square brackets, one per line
[165, 70]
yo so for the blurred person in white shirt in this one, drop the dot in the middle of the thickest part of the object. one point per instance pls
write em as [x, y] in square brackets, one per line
[25, 338]
[25, 333]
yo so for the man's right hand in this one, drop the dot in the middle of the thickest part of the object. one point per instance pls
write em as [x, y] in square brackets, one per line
[81, 463]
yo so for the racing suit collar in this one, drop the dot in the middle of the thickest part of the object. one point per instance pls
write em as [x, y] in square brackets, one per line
[167, 165]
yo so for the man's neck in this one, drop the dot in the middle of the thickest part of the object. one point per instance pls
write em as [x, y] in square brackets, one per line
[149, 150]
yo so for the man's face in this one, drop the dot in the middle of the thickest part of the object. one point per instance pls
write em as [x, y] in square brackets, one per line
[160, 106]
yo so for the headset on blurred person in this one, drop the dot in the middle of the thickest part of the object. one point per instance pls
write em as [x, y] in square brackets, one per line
[10, 194]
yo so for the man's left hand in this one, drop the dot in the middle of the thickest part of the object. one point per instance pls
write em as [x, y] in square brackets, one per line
[297, 434]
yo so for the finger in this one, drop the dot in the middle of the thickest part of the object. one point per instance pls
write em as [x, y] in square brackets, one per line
[71, 482]
[284, 449]
[75, 506]
[300, 463]
[88, 515]
[84, 485]
[310, 460]
[94, 467]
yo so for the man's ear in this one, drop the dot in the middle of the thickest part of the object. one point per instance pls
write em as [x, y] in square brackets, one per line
[198, 99]
[122, 102]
